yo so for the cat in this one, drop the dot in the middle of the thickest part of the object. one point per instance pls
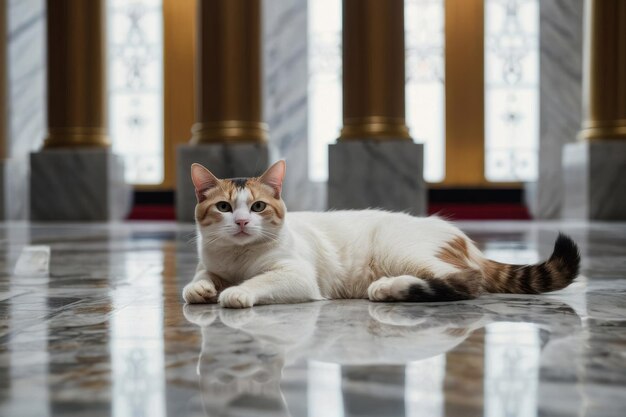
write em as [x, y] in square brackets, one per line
[252, 252]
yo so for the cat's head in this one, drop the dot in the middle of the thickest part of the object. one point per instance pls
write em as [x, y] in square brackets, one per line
[239, 211]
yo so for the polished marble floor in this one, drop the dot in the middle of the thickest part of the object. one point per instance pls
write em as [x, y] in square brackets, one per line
[92, 324]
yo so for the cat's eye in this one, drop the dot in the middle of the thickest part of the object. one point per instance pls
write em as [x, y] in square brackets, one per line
[258, 206]
[223, 206]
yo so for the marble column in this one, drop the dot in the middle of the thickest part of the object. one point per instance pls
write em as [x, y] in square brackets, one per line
[25, 99]
[75, 177]
[3, 106]
[560, 99]
[13, 170]
[593, 168]
[285, 98]
[229, 136]
[374, 162]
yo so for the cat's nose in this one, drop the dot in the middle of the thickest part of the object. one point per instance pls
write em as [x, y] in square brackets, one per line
[242, 223]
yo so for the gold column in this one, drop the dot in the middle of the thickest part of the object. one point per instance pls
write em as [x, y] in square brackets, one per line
[373, 70]
[465, 92]
[604, 87]
[76, 74]
[179, 36]
[228, 73]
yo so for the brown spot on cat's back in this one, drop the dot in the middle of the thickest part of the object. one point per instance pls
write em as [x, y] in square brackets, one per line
[455, 253]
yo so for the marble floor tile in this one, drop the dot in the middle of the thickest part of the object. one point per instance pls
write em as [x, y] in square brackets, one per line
[105, 333]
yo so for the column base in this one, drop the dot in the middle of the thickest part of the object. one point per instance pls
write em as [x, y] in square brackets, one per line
[14, 189]
[594, 180]
[223, 160]
[3, 190]
[377, 174]
[78, 185]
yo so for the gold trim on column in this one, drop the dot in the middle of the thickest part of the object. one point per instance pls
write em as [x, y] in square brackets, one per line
[76, 74]
[228, 73]
[373, 70]
[604, 93]
[68, 137]
[374, 127]
[603, 130]
[229, 131]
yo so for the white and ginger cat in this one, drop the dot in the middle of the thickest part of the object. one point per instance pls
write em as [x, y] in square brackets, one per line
[252, 252]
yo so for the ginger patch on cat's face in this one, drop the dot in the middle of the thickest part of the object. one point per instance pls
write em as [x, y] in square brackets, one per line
[206, 215]
[275, 209]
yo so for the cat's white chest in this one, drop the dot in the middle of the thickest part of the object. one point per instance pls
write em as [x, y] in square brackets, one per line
[234, 267]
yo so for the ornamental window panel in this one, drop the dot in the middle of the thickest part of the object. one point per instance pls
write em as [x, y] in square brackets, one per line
[325, 93]
[511, 90]
[425, 77]
[135, 87]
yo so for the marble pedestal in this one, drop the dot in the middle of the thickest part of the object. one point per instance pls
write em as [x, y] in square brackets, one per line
[78, 185]
[223, 160]
[373, 174]
[595, 180]
[3, 190]
[14, 189]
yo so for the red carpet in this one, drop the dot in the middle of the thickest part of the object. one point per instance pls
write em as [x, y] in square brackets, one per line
[152, 212]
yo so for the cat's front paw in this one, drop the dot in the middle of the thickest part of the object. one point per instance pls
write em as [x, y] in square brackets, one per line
[201, 291]
[236, 297]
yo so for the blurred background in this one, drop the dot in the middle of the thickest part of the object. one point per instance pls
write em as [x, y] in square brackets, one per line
[491, 89]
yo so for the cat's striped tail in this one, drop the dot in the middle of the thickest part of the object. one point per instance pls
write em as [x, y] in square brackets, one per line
[554, 274]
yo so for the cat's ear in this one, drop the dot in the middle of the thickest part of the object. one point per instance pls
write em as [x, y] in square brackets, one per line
[274, 177]
[203, 180]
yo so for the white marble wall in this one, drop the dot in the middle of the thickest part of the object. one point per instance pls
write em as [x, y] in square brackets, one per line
[26, 57]
[285, 67]
[561, 44]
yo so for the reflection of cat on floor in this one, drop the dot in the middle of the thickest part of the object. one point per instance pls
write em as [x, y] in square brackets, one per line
[244, 351]
[243, 355]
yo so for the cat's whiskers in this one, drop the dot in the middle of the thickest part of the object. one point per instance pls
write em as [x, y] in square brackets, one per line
[266, 234]
[208, 242]
[192, 240]
[210, 237]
